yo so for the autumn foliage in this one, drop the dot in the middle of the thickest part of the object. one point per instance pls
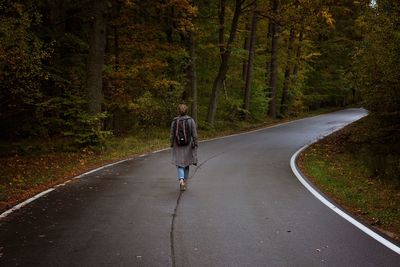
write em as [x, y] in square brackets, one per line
[153, 55]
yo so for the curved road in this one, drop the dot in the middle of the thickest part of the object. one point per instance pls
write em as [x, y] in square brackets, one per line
[243, 207]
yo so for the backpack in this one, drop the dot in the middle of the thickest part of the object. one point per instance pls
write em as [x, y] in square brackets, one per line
[182, 132]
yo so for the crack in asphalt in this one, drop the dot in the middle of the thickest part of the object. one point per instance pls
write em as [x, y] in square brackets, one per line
[171, 233]
[174, 214]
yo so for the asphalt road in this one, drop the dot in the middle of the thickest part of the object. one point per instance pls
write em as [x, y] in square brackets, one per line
[243, 207]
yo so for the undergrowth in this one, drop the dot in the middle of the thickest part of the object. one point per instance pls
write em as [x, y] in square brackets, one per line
[359, 168]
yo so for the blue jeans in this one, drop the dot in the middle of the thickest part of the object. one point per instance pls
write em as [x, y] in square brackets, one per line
[183, 172]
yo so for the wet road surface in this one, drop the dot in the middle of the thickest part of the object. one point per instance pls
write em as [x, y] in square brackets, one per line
[243, 207]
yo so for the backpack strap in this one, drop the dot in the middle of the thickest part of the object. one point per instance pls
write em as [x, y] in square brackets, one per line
[176, 127]
[183, 125]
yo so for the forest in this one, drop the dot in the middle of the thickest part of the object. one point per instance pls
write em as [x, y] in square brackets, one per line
[90, 69]
[85, 71]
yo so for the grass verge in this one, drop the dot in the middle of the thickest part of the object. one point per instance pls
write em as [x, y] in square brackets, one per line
[345, 169]
[31, 166]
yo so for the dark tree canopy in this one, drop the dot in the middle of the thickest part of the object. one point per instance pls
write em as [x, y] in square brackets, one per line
[88, 69]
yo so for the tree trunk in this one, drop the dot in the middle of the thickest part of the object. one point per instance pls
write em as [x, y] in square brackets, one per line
[57, 15]
[116, 47]
[192, 74]
[246, 47]
[223, 68]
[298, 51]
[218, 82]
[285, 93]
[116, 39]
[221, 30]
[249, 70]
[268, 61]
[169, 24]
[274, 61]
[95, 61]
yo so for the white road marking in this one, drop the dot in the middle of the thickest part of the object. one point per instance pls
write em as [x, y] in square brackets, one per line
[26, 202]
[347, 217]
[160, 150]
[20, 205]
[344, 215]
[100, 168]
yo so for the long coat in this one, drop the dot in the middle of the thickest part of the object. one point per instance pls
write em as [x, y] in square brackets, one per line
[184, 156]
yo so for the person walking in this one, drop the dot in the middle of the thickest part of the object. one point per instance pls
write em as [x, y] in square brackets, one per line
[183, 139]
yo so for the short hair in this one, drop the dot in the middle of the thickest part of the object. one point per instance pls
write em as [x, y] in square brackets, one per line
[182, 109]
